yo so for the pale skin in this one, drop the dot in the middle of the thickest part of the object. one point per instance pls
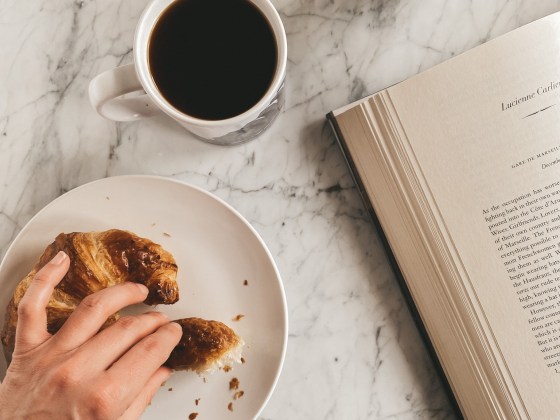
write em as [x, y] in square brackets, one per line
[81, 373]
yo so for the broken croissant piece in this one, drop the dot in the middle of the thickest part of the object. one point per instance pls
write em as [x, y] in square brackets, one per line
[205, 346]
[97, 260]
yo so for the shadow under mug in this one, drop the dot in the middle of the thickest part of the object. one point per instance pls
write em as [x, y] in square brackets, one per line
[107, 91]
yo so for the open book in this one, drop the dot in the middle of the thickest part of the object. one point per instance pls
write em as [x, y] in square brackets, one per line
[461, 166]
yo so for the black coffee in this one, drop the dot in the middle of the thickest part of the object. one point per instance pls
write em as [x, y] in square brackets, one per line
[212, 59]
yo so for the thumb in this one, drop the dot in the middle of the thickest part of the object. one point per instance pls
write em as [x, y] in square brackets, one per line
[31, 329]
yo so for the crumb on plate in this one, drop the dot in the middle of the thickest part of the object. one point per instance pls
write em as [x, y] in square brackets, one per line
[234, 383]
[230, 406]
[238, 395]
[227, 368]
[193, 416]
[238, 317]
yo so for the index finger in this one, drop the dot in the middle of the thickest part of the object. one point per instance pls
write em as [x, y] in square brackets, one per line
[94, 310]
[31, 327]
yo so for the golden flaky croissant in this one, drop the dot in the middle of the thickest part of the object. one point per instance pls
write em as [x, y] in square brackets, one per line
[97, 260]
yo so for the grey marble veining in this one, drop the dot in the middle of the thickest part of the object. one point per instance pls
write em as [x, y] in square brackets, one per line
[354, 352]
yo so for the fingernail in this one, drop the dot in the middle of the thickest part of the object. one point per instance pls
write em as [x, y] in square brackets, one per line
[142, 288]
[177, 326]
[59, 258]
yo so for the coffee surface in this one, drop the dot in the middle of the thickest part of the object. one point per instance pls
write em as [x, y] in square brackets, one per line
[212, 59]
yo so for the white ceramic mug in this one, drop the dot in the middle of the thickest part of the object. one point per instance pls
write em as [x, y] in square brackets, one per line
[107, 89]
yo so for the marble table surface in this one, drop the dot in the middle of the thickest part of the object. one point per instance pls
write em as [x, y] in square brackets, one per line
[353, 349]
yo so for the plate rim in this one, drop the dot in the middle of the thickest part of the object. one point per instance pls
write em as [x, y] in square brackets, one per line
[219, 200]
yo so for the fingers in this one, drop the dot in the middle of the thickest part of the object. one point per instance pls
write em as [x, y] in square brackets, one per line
[93, 311]
[31, 329]
[142, 401]
[110, 344]
[140, 363]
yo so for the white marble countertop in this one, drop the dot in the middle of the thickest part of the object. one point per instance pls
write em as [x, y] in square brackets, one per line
[353, 350]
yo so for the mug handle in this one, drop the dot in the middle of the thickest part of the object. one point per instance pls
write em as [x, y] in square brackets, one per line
[106, 89]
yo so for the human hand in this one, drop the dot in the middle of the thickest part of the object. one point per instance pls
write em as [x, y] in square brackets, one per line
[80, 372]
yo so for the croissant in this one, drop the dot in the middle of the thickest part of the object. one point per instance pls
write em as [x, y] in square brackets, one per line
[205, 346]
[97, 260]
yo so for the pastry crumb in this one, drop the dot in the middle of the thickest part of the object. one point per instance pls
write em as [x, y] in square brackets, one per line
[245, 283]
[230, 406]
[234, 383]
[227, 368]
[107, 198]
[170, 389]
[242, 360]
[166, 234]
[238, 395]
[193, 416]
[196, 401]
[238, 317]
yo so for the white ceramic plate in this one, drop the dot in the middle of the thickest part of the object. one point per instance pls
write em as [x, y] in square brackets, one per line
[216, 250]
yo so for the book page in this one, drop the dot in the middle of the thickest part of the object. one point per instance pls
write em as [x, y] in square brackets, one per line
[484, 130]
